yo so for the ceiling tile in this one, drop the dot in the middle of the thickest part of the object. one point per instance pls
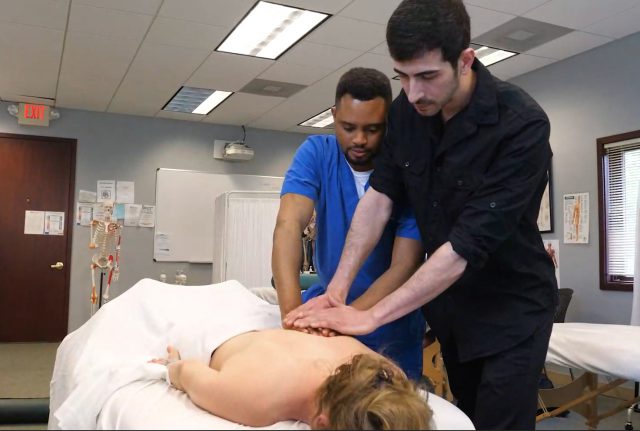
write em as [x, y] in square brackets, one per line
[383, 63]
[317, 55]
[569, 45]
[521, 34]
[295, 73]
[377, 11]
[515, 7]
[43, 13]
[518, 65]
[110, 23]
[578, 14]
[223, 13]
[147, 7]
[381, 49]
[483, 20]
[619, 25]
[157, 72]
[92, 68]
[241, 109]
[348, 33]
[175, 32]
[34, 54]
[228, 72]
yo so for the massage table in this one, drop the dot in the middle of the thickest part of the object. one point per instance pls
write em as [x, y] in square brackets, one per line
[102, 380]
[612, 351]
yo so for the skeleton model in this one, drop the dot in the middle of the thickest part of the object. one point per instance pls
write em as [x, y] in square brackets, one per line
[105, 238]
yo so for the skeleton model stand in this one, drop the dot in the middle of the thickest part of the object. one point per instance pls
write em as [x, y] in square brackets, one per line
[105, 238]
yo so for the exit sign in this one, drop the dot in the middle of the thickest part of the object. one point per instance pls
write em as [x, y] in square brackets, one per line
[30, 114]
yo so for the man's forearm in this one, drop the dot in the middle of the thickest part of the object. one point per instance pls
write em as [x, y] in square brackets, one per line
[436, 275]
[367, 225]
[407, 257]
[286, 263]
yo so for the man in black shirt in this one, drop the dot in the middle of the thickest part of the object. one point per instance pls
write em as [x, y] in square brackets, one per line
[470, 153]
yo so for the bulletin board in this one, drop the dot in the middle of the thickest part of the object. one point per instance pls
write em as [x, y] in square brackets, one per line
[185, 210]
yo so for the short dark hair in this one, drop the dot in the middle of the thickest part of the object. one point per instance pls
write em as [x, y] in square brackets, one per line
[365, 84]
[419, 26]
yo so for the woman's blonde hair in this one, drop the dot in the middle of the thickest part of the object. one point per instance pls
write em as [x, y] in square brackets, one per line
[372, 393]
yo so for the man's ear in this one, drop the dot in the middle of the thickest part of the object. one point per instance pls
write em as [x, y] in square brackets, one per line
[319, 422]
[466, 60]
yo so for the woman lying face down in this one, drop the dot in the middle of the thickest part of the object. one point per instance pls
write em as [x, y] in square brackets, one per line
[262, 377]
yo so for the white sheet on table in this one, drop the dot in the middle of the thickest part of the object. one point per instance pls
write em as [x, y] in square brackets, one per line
[102, 380]
[154, 405]
[111, 350]
[612, 350]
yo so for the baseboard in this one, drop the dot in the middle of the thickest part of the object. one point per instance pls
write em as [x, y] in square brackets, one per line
[24, 410]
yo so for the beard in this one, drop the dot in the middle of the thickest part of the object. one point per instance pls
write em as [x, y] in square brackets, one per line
[430, 107]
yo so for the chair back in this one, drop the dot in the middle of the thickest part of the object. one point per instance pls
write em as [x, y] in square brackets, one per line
[564, 296]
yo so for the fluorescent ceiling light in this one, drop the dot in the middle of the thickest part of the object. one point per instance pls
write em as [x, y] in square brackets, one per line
[196, 100]
[489, 56]
[269, 29]
[323, 119]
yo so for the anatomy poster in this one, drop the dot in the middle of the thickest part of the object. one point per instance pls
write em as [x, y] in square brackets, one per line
[576, 218]
[552, 246]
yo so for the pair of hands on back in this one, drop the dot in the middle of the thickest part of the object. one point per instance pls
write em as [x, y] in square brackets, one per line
[328, 315]
[297, 318]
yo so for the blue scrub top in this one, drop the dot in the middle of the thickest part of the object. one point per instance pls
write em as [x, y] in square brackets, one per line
[320, 171]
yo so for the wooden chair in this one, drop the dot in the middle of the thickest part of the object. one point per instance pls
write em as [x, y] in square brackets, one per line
[434, 371]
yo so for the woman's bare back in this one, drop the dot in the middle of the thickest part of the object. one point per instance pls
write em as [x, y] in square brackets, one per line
[283, 369]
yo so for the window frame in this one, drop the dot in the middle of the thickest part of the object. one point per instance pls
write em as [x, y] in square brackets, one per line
[607, 281]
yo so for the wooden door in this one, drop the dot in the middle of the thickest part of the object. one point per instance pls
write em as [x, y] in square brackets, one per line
[36, 174]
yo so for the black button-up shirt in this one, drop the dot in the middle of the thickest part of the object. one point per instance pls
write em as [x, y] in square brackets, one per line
[477, 181]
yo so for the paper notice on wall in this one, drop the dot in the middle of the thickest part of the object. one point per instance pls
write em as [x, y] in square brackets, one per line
[84, 213]
[162, 245]
[87, 196]
[98, 212]
[147, 216]
[118, 211]
[125, 192]
[132, 214]
[53, 223]
[34, 222]
[106, 190]
[576, 218]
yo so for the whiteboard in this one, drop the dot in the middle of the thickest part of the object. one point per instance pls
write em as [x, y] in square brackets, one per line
[185, 210]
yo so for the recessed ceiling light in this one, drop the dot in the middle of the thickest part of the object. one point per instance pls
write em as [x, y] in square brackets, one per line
[196, 100]
[323, 119]
[270, 29]
[489, 56]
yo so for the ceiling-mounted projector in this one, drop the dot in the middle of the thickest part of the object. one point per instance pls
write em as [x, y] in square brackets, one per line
[237, 150]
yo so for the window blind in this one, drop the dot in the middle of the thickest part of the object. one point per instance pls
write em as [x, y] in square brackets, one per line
[622, 176]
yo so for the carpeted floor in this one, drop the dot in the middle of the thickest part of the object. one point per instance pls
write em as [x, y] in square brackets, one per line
[26, 369]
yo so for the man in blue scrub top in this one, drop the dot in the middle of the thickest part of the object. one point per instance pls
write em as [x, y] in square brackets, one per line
[329, 174]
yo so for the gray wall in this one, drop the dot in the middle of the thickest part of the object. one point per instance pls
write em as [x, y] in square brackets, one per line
[130, 148]
[588, 96]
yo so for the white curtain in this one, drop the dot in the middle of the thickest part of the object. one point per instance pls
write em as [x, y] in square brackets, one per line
[249, 233]
[635, 307]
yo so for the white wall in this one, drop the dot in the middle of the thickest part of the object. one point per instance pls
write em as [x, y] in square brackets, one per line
[588, 96]
[130, 148]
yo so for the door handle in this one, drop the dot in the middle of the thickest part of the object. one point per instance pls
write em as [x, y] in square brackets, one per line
[58, 266]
